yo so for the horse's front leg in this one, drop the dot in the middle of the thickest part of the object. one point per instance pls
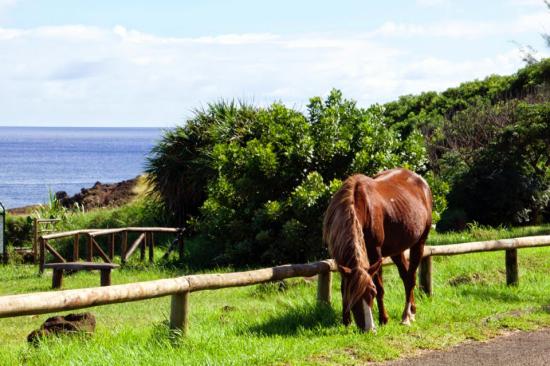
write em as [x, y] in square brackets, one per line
[378, 282]
[346, 315]
[375, 256]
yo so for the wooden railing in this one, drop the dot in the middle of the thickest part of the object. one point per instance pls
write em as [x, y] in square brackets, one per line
[509, 245]
[145, 239]
[40, 227]
[180, 287]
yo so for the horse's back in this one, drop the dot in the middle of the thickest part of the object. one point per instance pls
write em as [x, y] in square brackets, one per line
[403, 207]
[404, 181]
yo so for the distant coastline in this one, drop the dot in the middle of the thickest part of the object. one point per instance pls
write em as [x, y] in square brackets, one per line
[39, 160]
[97, 196]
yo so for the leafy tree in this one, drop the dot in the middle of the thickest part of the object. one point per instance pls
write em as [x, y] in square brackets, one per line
[273, 183]
[256, 181]
[178, 167]
[509, 181]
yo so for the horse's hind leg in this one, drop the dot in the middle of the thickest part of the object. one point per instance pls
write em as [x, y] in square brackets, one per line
[403, 267]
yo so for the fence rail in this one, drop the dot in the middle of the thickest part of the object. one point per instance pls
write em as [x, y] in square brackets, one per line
[180, 287]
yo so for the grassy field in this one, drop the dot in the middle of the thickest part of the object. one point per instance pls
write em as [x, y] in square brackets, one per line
[281, 323]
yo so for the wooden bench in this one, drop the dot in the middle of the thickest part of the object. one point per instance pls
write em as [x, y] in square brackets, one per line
[58, 268]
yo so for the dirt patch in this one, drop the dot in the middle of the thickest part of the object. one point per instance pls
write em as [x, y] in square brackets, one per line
[464, 279]
[58, 325]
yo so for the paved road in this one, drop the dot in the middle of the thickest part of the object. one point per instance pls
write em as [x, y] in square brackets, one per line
[518, 348]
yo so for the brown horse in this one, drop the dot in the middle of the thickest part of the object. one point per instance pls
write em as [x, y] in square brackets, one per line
[368, 219]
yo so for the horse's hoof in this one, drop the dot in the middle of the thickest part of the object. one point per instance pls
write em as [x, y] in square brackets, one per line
[372, 330]
[412, 317]
[406, 322]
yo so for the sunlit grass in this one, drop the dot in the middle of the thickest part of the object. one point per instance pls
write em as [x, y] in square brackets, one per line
[273, 324]
[480, 233]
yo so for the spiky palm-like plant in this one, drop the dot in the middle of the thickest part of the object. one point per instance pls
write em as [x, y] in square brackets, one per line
[178, 167]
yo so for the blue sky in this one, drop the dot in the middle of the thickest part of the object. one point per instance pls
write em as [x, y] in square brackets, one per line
[150, 63]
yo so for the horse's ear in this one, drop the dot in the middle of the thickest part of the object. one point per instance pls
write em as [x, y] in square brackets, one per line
[375, 267]
[343, 269]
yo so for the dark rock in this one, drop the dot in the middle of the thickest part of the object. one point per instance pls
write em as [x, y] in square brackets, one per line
[101, 195]
[69, 324]
[61, 195]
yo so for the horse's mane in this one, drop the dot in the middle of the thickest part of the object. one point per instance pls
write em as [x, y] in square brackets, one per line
[343, 234]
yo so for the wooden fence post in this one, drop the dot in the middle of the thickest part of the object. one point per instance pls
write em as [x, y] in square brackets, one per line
[324, 287]
[142, 247]
[90, 249]
[181, 247]
[179, 312]
[512, 278]
[35, 243]
[124, 248]
[112, 247]
[75, 247]
[42, 255]
[426, 275]
[151, 248]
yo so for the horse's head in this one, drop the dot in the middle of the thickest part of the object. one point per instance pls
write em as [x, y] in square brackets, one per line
[358, 293]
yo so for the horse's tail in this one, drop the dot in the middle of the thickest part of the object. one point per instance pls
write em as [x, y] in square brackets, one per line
[343, 234]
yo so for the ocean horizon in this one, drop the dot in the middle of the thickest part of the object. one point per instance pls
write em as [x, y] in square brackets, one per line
[37, 160]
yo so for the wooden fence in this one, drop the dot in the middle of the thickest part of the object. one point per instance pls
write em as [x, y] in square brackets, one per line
[144, 240]
[39, 228]
[180, 287]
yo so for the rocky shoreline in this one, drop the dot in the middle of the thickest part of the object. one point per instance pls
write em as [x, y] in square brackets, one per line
[97, 196]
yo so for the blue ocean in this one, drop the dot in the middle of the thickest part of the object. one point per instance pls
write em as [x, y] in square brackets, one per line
[37, 160]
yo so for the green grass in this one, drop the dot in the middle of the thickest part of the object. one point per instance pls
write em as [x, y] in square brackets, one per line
[480, 233]
[274, 324]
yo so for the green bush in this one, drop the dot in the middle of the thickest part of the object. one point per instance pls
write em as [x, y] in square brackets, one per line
[270, 173]
[486, 144]
[18, 231]
[509, 180]
[452, 219]
[253, 182]
[178, 167]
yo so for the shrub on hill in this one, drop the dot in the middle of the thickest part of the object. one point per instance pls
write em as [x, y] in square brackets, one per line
[508, 181]
[271, 171]
[480, 143]
[253, 182]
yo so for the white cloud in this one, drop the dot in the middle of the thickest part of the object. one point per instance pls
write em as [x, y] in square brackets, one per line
[452, 29]
[226, 39]
[534, 22]
[78, 33]
[6, 33]
[82, 75]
